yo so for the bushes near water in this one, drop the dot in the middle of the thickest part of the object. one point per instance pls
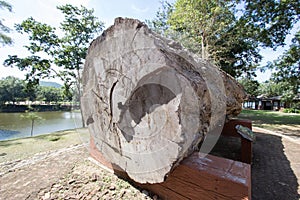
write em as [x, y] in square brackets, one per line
[40, 108]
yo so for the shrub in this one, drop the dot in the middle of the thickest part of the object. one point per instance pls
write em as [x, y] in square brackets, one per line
[291, 110]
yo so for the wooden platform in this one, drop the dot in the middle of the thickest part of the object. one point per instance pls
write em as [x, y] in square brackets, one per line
[200, 177]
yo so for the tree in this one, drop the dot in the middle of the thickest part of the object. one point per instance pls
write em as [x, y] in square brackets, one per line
[282, 89]
[33, 117]
[271, 89]
[160, 23]
[50, 94]
[287, 66]
[12, 89]
[4, 39]
[270, 21]
[250, 85]
[229, 33]
[67, 52]
[210, 29]
[202, 20]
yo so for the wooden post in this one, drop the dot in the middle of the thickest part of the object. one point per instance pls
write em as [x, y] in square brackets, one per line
[246, 145]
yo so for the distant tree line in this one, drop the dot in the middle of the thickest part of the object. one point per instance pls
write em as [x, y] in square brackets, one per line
[271, 88]
[14, 90]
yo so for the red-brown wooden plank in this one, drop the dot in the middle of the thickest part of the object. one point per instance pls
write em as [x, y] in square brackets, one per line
[246, 146]
[198, 177]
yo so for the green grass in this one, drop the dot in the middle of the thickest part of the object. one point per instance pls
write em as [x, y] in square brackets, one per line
[271, 117]
[27, 147]
[272, 120]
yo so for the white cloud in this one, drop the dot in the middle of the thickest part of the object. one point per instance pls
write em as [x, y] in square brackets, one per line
[140, 10]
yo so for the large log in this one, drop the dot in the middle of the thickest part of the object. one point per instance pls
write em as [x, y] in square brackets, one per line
[148, 103]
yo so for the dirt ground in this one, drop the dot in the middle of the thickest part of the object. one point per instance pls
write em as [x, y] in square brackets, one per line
[68, 173]
[276, 166]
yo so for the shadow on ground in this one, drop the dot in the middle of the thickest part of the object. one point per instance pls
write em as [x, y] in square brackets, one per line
[272, 176]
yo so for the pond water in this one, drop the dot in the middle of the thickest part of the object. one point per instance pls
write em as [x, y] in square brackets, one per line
[12, 125]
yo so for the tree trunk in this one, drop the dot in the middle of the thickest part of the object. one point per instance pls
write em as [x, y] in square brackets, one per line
[148, 103]
[202, 46]
[32, 124]
[78, 85]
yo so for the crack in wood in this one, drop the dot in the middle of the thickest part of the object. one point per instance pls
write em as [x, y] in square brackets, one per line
[111, 102]
[99, 97]
[139, 26]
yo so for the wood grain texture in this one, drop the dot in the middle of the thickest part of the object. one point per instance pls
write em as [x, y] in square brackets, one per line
[148, 102]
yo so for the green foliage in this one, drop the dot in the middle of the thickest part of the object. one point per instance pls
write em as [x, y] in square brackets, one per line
[251, 86]
[271, 88]
[285, 81]
[36, 66]
[50, 94]
[270, 21]
[228, 33]
[202, 21]
[4, 39]
[287, 66]
[79, 27]
[160, 23]
[66, 52]
[291, 110]
[12, 89]
[42, 37]
[282, 89]
[210, 28]
[33, 117]
[296, 106]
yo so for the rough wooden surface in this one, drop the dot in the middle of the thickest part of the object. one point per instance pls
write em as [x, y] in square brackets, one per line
[198, 177]
[148, 103]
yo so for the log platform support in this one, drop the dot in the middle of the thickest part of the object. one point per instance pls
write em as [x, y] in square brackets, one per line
[201, 177]
[246, 145]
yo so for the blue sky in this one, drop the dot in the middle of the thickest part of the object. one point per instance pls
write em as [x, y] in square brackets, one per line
[106, 10]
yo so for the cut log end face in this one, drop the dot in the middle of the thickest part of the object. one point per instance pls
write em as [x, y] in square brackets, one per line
[145, 111]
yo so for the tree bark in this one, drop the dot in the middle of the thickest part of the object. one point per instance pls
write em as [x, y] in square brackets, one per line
[32, 125]
[78, 85]
[148, 103]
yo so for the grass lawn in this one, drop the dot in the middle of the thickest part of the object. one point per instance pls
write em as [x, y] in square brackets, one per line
[27, 147]
[272, 120]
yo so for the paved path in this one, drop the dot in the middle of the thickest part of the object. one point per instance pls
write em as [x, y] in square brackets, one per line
[276, 166]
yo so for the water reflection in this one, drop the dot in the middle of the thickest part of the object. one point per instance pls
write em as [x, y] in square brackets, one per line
[13, 126]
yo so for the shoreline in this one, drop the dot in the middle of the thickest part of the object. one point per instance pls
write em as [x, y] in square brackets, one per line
[37, 108]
